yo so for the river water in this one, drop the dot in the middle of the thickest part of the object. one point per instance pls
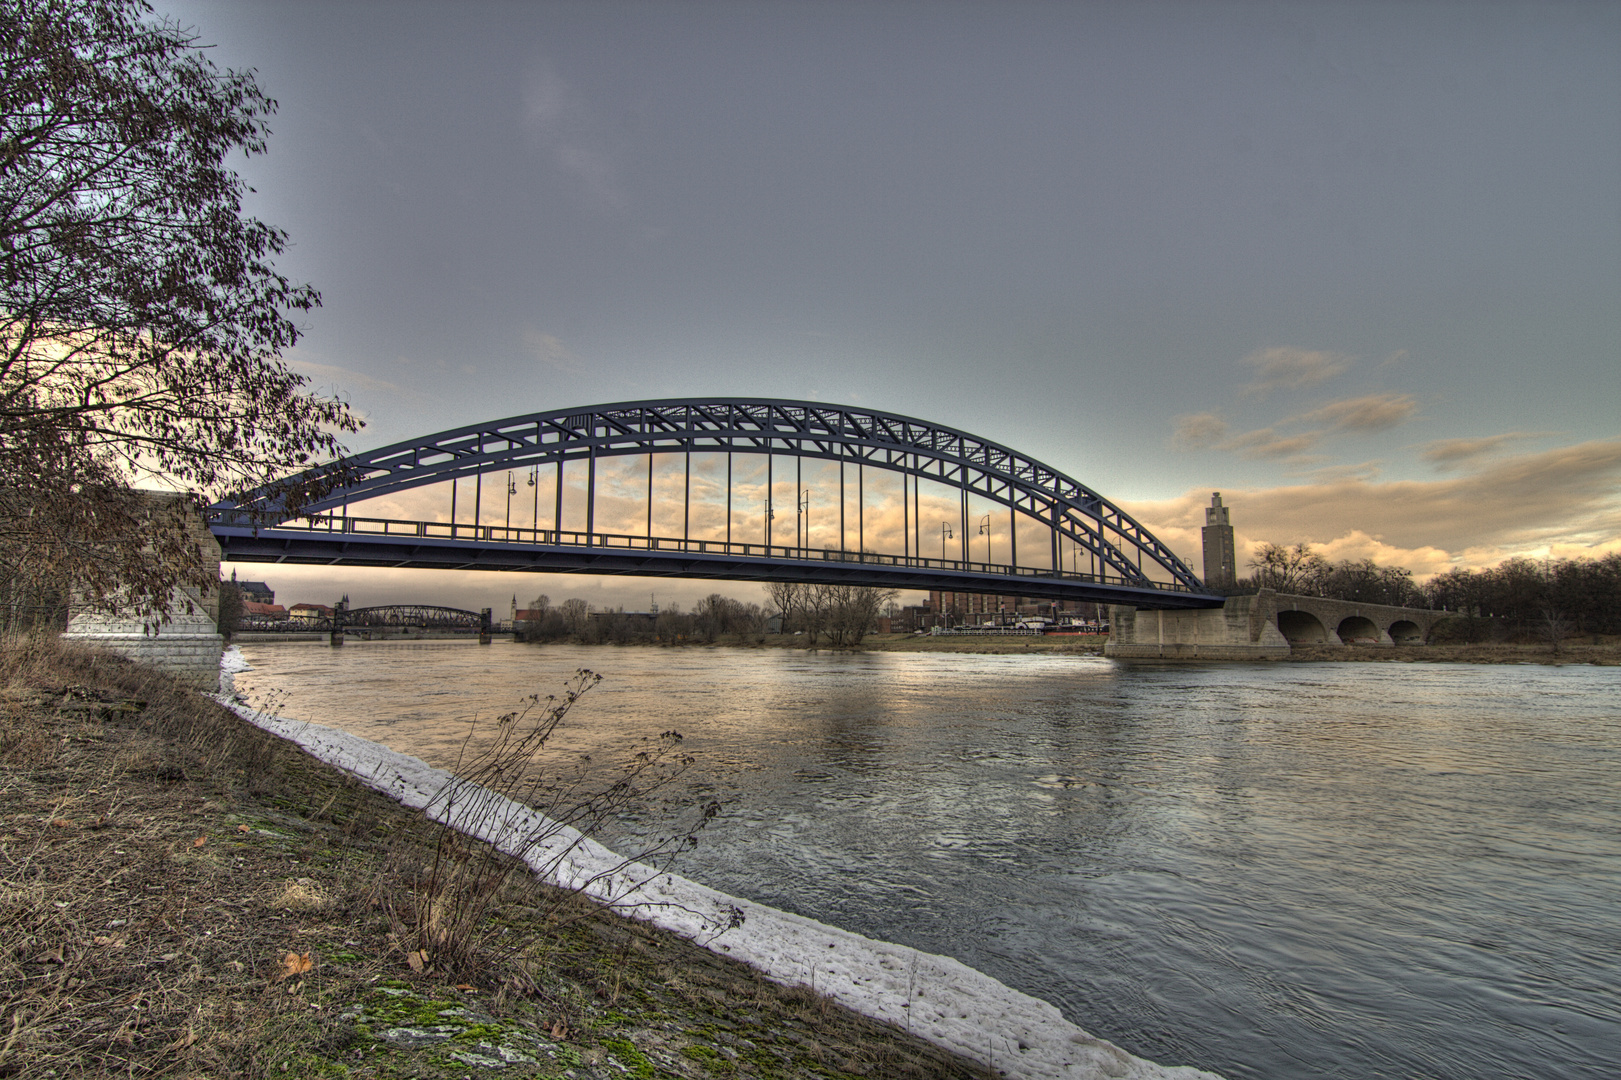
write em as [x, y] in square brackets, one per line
[1270, 870]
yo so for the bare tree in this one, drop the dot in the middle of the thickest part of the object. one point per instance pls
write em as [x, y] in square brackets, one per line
[142, 321]
[1288, 569]
[787, 598]
[852, 610]
[1555, 629]
[575, 611]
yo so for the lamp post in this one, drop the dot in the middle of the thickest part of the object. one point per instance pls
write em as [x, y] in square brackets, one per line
[512, 489]
[985, 531]
[534, 477]
[945, 534]
[802, 526]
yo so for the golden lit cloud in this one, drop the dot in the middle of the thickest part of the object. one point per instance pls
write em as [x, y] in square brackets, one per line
[1461, 453]
[1563, 501]
[1291, 369]
[1267, 443]
[1375, 412]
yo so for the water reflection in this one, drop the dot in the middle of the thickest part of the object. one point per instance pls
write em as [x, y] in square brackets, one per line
[1344, 871]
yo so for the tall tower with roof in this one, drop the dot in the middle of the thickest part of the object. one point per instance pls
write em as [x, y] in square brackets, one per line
[1220, 556]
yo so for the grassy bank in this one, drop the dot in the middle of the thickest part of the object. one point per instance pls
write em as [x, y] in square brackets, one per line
[1606, 653]
[182, 894]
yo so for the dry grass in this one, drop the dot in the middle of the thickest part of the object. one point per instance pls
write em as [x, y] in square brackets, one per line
[183, 895]
[1605, 653]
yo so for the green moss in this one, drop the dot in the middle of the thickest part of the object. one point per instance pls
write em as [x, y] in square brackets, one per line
[710, 1059]
[314, 1067]
[396, 1009]
[630, 1057]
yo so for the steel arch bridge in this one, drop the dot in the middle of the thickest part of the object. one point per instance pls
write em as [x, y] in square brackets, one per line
[1126, 564]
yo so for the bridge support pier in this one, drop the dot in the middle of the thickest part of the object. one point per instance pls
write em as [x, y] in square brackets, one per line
[1238, 630]
[186, 645]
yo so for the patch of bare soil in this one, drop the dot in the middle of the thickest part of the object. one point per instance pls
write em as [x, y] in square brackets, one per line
[184, 895]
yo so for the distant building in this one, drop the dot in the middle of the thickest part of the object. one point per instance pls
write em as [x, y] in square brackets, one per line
[257, 591]
[309, 613]
[263, 611]
[949, 609]
[1220, 556]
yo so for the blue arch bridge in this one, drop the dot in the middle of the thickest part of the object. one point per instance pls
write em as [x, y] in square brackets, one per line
[918, 506]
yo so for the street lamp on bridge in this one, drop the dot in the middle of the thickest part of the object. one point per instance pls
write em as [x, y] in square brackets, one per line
[945, 534]
[802, 525]
[985, 531]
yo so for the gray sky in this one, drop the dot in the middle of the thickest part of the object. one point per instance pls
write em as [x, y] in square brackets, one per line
[1355, 265]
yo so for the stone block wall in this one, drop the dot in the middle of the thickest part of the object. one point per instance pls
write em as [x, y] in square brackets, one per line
[1238, 630]
[1259, 627]
[188, 645]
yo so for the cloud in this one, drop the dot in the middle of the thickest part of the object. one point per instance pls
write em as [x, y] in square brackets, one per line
[1367, 470]
[1267, 443]
[550, 350]
[1562, 501]
[1461, 453]
[1375, 412]
[560, 123]
[1197, 431]
[1291, 369]
[341, 378]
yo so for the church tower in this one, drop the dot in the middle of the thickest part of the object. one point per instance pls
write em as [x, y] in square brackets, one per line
[1220, 558]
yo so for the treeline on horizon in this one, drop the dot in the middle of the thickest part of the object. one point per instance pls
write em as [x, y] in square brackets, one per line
[844, 614]
[1518, 596]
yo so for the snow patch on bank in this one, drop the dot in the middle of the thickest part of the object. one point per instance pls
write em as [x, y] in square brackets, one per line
[935, 997]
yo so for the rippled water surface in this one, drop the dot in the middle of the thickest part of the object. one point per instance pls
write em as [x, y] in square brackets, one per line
[1296, 870]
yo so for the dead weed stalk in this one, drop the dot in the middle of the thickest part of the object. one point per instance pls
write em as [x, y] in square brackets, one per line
[517, 815]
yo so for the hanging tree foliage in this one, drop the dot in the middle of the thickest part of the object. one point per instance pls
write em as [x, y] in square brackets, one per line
[142, 322]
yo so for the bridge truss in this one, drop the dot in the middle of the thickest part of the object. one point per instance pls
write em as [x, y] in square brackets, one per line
[1124, 562]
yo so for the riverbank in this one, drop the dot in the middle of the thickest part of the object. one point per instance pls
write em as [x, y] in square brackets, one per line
[182, 893]
[314, 927]
[1605, 654]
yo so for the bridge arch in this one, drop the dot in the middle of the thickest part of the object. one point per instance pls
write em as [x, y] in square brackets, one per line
[1406, 632]
[1301, 627]
[1122, 553]
[1358, 630]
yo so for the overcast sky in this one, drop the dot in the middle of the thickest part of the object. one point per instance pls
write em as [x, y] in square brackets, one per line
[1357, 266]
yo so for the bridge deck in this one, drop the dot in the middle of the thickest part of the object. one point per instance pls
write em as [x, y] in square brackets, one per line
[440, 545]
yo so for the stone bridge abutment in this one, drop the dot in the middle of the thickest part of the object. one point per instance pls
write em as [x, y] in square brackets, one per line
[187, 644]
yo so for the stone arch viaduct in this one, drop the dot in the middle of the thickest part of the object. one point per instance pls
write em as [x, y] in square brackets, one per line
[1264, 626]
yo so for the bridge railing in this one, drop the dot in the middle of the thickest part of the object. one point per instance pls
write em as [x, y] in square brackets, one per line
[396, 529]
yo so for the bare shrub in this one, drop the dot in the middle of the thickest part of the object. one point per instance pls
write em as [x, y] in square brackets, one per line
[496, 783]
